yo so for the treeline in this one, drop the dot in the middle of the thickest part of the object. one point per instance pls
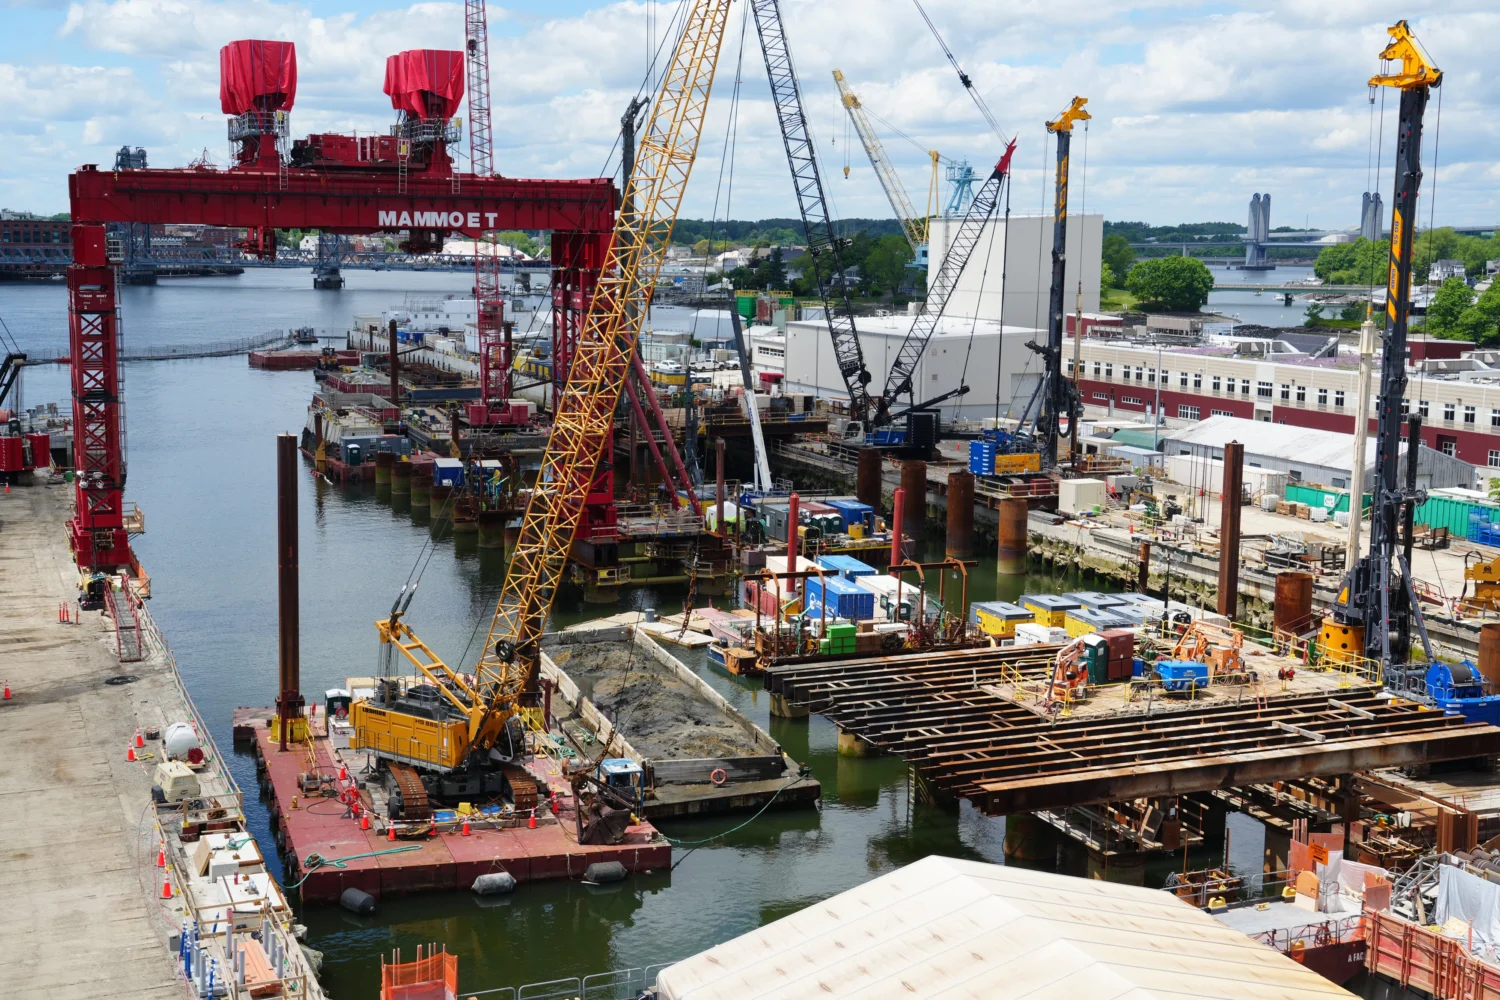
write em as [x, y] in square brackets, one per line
[1365, 262]
[773, 232]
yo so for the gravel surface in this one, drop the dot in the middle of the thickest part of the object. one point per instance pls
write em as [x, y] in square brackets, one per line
[662, 717]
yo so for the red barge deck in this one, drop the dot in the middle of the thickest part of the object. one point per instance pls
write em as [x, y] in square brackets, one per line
[445, 861]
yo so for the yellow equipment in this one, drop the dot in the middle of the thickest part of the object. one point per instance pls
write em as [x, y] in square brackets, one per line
[1486, 579]
[913, 226]
[447, 726]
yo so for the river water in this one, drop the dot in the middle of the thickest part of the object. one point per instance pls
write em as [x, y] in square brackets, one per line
[201, 454]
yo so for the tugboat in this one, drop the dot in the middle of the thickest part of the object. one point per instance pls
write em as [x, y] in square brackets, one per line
[305, 335]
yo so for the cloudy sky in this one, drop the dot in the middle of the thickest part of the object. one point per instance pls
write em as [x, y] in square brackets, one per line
[1196, 105]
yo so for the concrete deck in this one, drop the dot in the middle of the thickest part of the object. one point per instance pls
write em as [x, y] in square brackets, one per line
[80, 917]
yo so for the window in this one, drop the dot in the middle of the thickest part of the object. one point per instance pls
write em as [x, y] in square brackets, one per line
[1339, 484]
[1469, 415]
[1338, 398]
[1449, 447]
[1191, 413]
[1109, 370]
[1182, 380]
[1301, 394]
[1139, 371]
[1448, 409]
[1263, 390]
[1130, 399]
[1422, 408]
[1100, 395]
[1495, 418]
[1494, 457]
[1096, 369]
[1229, 386]
[1406, 407]
[1070, 368]
[1322, 397]
[1151, 375]
[1217, 386]
[1198, 382]
[1245, 387]
[1286, 393]
[1222, 413]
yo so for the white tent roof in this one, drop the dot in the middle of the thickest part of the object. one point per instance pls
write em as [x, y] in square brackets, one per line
[1306, 445]
[963, 929]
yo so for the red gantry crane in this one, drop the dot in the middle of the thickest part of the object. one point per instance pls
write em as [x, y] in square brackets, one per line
[401, 182]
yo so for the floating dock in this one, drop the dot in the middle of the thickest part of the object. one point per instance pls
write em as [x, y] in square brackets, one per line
[445, 860]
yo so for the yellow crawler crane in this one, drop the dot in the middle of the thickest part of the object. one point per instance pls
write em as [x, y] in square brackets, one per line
[446, 729]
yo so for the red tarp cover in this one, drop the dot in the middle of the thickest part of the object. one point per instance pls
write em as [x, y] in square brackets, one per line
[253, 68]
[436, 71]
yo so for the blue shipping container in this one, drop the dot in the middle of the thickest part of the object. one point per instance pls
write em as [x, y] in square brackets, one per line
[845, 600]
[447, 472]
[982, 458]
[847, 567]
[854, 512]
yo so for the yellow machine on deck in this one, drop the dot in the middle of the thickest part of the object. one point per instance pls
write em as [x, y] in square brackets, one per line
[1486, 579]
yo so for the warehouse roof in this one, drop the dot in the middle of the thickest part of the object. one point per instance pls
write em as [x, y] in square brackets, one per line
[948, 928]
[1304, 445]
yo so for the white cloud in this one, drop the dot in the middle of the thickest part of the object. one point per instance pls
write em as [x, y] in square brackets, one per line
[1193, 111]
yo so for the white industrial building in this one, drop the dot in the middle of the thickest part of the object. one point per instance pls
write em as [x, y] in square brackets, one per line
[965, 351]
[942, 927]
[1021, 282]
[1303, 454]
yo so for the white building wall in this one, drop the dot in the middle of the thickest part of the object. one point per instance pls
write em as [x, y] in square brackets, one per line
[1027, 267]
[950, 360]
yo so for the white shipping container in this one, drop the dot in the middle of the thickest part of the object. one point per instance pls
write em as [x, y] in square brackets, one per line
[1075, 496]
[1032, 634]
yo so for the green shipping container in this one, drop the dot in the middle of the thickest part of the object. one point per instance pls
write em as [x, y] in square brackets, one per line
[1453, 513]
[1314, 496]
[745, 304]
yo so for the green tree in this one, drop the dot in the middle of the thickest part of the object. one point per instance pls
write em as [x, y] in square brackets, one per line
[884, 266]
[1107, 277]
[1447, 306]
[1117, 256]
[1481, 321]
[744, 277]
[771, 271]
[1313, 315]
[1432, 246]
[1179, 284]
[1362, 262]
[517, 240]
[1352, 313]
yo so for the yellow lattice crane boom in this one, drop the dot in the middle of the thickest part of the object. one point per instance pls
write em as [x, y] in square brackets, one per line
[913, 226]
[469, 712]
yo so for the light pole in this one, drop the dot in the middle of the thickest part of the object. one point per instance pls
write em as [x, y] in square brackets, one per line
[1156, 427]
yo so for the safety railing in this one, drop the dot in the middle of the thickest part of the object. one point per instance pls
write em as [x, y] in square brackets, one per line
[619, 984]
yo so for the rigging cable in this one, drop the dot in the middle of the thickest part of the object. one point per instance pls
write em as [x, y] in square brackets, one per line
[963, 77]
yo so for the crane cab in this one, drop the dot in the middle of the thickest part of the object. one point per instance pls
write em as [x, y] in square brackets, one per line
[416, 725]
[624, 776]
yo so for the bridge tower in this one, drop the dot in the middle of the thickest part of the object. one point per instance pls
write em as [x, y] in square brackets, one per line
[1257, 233]
[1370, 216]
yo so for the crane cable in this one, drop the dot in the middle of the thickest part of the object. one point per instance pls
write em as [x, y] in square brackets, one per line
[963, 77]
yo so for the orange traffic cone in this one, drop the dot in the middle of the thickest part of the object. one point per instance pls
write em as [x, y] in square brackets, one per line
[7, 690]
[465, 830]
[166, 886]
[161, 856]
[130, 753]
[556, 808]
[140, 740]
[364, 820]
[531, 823]
[390, 833]
[343, 773]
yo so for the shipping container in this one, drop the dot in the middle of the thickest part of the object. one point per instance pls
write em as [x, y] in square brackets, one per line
[1035, 633]
[1453, 513]
[999, 617]
[447, 472]
[842, 598]
[855, 512]
[1049, 608]
[1083, 621]
[847, 567]
[1094, 599]
[1317, 496]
